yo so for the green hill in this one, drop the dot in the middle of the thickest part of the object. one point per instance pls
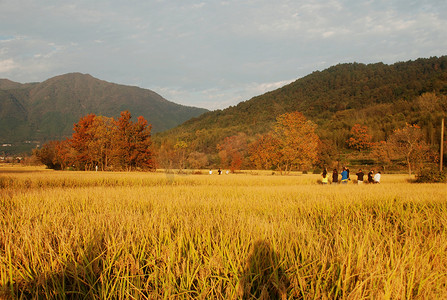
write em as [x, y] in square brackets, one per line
[381, 96]
[38, 112]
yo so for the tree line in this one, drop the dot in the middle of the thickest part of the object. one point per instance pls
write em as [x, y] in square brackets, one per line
[292, 144]
[102, 143]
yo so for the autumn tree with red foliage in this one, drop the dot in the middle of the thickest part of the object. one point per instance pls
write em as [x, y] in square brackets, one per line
[65, 154]
[132, 142]
[79, 141]
[360, 138]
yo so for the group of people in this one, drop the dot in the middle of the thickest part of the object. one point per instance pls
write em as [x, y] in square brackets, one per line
[371, 177]
[219, 172]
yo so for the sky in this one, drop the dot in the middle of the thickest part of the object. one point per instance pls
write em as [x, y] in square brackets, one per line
[211, 54]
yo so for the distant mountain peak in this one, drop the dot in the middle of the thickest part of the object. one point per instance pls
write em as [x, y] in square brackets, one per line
[47, 110]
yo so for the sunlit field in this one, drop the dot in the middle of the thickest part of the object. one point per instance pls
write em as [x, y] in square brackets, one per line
[99, 235]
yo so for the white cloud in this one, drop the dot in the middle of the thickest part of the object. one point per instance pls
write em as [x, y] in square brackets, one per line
[328, 34]
[218, 97]
[199, 5]
[7, 65]
[212, 53]
[261, 88]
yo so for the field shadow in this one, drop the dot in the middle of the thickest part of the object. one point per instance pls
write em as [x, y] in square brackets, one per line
[263, 278]
[78, 278]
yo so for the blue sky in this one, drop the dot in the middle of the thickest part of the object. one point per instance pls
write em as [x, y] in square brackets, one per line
[211, 54]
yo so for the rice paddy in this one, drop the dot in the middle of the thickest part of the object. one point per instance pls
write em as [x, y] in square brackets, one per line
[98, 235]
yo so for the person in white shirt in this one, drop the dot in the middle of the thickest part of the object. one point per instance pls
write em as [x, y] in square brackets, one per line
[377, 177]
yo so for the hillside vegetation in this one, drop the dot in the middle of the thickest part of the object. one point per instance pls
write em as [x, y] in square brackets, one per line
[379, 96]
[39, 112]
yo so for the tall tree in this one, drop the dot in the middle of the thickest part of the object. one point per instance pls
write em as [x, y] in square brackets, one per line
[165, 156]
[100, 144]
[381, 151]
[48, 155]
[297, 141]
[79, 141]
[263, 152]
[143, 156]
[292, 144]
[132, 142]
[327, 154]
[180, 153]
[408, 142]
[66, 154]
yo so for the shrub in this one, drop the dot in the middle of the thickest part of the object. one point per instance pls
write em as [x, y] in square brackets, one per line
[316, 171]
[431, 175]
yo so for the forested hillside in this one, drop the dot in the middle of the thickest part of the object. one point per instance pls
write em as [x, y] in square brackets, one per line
[37, 112]
[379, 96]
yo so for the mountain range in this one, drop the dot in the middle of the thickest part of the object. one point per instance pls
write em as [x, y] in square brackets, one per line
[380, 96]
[33, 113]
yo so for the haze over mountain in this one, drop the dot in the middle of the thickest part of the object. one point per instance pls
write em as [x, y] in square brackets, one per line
[47, 111]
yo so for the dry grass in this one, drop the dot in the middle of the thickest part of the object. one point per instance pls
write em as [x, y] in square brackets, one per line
[155, 235]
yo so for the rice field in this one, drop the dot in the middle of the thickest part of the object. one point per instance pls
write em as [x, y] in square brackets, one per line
[96, 235]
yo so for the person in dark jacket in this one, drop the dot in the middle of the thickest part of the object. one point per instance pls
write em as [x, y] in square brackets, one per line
[335, 176]
[371, 176]
[360, 176]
